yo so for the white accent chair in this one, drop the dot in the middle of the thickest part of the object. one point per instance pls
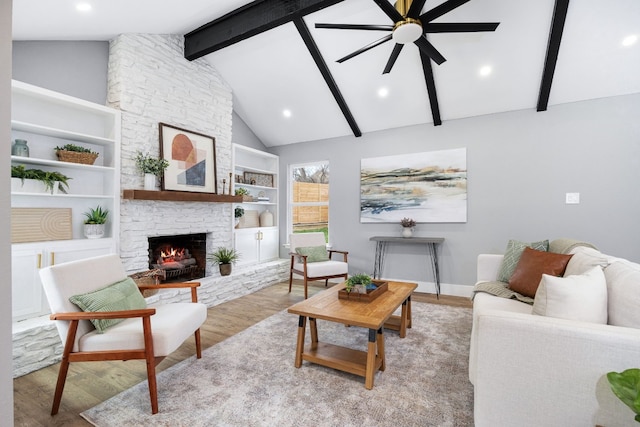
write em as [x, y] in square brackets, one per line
[310, 271]
[150, 333]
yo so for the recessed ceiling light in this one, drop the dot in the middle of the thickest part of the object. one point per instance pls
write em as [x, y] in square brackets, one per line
[286, 113]
[83, 7]
[629, 40]
[383, 92]
[485, 71]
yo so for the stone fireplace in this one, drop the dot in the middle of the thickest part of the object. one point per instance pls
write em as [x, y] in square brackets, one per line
[182, 257]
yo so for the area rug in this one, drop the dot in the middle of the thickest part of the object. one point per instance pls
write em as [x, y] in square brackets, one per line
[250, 380]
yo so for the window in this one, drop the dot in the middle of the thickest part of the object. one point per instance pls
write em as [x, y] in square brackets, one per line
[309, 198]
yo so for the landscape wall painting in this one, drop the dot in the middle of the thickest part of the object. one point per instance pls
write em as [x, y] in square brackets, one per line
[427, 187]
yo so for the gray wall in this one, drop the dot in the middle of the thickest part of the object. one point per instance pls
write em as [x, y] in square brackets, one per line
[6, 376]
[241, 134]
[77, 68]
[520, 165]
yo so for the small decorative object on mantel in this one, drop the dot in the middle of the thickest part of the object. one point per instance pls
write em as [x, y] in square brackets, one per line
[72, 153]
[94, 224]
[224, 257]
[407, 226]
[151, 167]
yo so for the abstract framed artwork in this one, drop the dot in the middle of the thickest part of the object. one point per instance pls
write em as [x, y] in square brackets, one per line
[192, 160]
[427, 187]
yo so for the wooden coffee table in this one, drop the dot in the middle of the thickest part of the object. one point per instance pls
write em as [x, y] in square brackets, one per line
[371, 315]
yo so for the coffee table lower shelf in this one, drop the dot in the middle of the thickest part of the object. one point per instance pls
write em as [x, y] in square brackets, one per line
[340, 358]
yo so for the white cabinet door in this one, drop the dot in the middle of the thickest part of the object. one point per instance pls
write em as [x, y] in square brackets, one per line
[269, 247]
[28, 299]
[246, 245]
[27, 296]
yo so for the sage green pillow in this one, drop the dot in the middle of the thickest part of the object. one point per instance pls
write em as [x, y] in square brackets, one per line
[122, 295]
[512, 256]
[314, 253]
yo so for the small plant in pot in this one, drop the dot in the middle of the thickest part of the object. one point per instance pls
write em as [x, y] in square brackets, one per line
[151, 167]
[359, 283]
[224, 257]
[76, 154]
[94, 223]
[238, 213]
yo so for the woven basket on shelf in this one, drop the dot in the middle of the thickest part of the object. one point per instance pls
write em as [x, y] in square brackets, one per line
[149, 277]
[76, 157]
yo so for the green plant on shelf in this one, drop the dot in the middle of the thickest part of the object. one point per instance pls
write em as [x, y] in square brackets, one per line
[49, 179]
[238, 212]
[76, 148]
[242, 192]
[96, 215]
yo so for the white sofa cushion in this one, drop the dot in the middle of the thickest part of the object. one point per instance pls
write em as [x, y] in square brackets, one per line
[324, 268]
[577, 297]
[584, 259]
[623, 284]
[171, 325]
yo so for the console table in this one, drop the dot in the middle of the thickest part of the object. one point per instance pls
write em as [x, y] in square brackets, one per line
[432, 246]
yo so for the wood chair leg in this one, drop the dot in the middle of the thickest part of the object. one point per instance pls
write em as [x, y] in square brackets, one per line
[290, 279]
[62, 377]
[305, 287]
[151, 364]
[198, 344]
[326, 282]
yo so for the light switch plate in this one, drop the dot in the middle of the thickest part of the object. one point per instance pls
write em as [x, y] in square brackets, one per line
[572, 198]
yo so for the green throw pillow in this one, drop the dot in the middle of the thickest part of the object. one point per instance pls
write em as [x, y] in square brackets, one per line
[314, 253]
[123, 295]
[512, 256]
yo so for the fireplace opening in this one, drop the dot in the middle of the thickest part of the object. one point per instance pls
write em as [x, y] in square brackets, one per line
[182, 257]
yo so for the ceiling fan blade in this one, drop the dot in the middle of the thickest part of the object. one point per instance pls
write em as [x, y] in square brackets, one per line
[429, 50]
[460, 27]
[366, 48]
[438, 11]
[356, 27]
[389, 10]
[392, 59]
[416, 8]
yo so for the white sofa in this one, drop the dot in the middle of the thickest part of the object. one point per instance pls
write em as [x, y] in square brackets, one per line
[533, 370]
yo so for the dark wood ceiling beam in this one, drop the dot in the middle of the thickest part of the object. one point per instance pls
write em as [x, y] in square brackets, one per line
[326, 74]
[431, 88]
[555, 37]
[247, 21]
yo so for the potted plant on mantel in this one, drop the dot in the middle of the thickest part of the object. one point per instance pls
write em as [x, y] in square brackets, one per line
[151, 167]
[94, 224]
[224, 257]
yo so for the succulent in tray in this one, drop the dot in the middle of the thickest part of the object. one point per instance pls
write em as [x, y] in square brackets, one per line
[359, 280]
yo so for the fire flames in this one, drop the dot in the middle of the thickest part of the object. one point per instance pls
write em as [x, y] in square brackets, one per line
[171, 255]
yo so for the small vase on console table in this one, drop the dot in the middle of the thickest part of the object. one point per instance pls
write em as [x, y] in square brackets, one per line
[407, 231]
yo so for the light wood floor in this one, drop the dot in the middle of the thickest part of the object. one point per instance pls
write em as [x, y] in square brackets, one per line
[91, 383]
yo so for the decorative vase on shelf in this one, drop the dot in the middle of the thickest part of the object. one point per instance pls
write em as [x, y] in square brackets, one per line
[149, 181]
[20, 148]
[266, 219]
[407, 231]
[94, 231]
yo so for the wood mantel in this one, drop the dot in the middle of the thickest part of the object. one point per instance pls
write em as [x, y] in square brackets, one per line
[179, 196]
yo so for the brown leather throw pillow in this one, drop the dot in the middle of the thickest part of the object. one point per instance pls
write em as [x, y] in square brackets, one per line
[532, 265]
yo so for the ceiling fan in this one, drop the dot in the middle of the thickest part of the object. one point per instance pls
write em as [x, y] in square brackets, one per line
[411, 27]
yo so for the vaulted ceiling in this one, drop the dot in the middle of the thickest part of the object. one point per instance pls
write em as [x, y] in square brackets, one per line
[270, 52]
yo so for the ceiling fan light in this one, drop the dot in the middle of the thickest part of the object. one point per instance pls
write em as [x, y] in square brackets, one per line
[407, 32]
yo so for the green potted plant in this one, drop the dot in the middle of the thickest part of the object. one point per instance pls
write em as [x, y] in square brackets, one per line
[94, 223]
[626, 385]
[151, 167]
[224, 257]
[51, 182]
[237, 213]
[76, 154]
[359, 283]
